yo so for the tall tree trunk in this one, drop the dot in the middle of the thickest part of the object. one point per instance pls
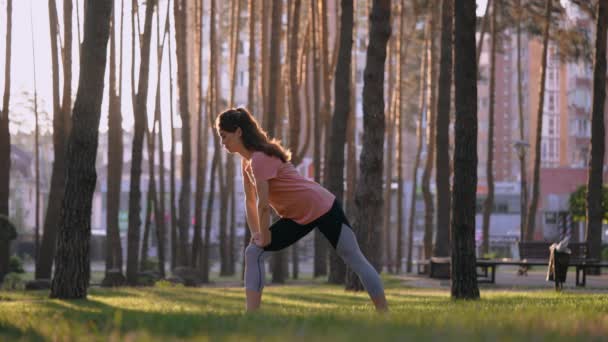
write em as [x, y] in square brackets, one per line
[161, 223]
[400, 118]
[279, 258]
[595, 212]
[320, 256]
[419, 133]
[531, 216]
[173, 209]
[250, 101]
[71, 278]
[236, 27]
[489, 202]
[521, 149]
[294, 108]
[115, 156]
[44, 264]
[201, 147]
[442, 137]
[140, 117]
[212, 99]
[5, 136]
[182, 81]
[389, 151]
[368, 198]
[429, 206]
[463, 272]
[340, 119]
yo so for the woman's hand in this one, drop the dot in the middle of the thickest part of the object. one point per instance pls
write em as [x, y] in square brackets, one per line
[261, 239]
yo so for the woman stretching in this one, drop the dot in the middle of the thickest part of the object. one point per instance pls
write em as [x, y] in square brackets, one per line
[270, 180]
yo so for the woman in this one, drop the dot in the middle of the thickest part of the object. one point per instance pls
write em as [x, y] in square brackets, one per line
[270, 180]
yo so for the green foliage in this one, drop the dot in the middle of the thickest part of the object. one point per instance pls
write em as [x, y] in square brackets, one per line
[150, 264]
[15, 265]
[8, 231]
[578, 204]
[605, 254]
[303, 313]
[165, 284]
[12, 281]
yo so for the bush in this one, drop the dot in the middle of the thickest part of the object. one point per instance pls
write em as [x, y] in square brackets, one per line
[151, 264]
[15, 265]
[13, 281]
[605, 254]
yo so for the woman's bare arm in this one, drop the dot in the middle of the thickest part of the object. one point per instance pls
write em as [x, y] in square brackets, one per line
[251, 209]
[263, 213]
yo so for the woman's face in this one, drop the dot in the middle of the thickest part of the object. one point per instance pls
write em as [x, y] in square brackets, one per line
[231, 140]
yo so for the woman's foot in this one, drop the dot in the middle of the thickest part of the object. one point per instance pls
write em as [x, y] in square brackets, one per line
[380, 303]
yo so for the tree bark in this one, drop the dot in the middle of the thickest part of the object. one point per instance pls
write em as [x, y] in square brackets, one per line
[463, 272]
[279, 258]
[419, 133]
[442, 137]
[368, 198]
[201, 158]
[5, 136]
[173, 209]
[522, 152]
[71, 277]
[320, 256]
[531, 216]
[342, 110]
[44, 264]
[400, 118]
[182, 81]
[429, 206]
[595, 211]
[140, 117]
[115, 157]
[489, 201]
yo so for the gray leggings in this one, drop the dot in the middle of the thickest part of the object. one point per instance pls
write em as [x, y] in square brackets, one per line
[335, 228]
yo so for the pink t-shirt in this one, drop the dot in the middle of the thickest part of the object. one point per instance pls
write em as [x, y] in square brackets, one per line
[290, 194]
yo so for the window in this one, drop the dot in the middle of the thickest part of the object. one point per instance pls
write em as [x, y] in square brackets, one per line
[551, 102]
[551, 128]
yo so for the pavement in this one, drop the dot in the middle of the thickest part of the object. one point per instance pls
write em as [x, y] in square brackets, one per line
[508, 279]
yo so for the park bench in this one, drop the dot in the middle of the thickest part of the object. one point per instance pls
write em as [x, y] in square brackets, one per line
[532, 253]
[536, 253]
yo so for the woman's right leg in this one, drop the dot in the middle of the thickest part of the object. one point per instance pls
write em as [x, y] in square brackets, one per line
[348, 249]
[283, 233]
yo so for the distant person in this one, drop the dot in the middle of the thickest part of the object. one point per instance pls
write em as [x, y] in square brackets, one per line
[270, 180]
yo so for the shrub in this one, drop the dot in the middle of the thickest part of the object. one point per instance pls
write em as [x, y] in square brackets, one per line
[15, 265]
[13, 281]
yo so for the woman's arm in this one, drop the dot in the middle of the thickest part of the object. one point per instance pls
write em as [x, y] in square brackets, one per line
[251, 209]
[263, 211]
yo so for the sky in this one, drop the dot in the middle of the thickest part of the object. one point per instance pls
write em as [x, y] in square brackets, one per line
[22, 72]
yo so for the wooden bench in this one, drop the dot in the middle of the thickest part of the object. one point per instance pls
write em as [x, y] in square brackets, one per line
[536, 253]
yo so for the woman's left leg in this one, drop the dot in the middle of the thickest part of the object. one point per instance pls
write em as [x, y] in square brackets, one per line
[283, 233]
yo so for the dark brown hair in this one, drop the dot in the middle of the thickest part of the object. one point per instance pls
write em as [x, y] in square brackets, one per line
[254, 137]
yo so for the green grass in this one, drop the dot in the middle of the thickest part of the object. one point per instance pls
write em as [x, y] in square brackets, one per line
[303, 312]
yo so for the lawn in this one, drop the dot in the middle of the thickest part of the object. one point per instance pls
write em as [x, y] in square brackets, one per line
[303, 312]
